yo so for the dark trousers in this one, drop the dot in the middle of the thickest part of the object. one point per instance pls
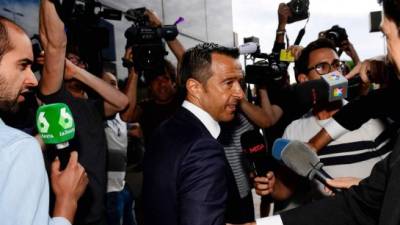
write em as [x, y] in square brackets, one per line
[119, 208]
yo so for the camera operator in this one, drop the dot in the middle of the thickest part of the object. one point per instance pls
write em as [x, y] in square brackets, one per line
[164, 99]
[339, 36]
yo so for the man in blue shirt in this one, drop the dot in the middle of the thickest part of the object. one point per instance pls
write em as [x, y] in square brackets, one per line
[24, 186]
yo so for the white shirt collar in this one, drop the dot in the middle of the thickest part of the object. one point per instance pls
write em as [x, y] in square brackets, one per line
[205, 118]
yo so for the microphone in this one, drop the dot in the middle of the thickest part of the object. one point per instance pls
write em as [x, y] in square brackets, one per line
[248, 48]
[253, 146]
[56, 126]
[278, 146]
[302, 160]
[331, 87]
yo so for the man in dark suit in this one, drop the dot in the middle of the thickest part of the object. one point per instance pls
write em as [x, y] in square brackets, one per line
[376, 200]
[185, 170]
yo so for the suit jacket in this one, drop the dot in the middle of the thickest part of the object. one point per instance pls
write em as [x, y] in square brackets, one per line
[185, 174]
[375, 201]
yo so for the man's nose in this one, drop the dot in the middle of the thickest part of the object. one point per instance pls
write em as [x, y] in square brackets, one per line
[31, 80]
[238, 91]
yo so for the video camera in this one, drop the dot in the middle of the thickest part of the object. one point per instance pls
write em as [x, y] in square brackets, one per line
[90, 10]
[337, 34]
[299, 9]
[146, 42]
[268, 70]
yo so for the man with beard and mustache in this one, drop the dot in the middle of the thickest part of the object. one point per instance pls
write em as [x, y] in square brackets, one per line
[24, 187]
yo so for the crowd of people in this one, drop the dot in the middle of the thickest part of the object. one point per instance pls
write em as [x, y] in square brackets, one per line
[175, 155]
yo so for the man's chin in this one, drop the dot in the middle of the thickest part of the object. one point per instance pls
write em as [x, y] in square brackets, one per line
[7, 106]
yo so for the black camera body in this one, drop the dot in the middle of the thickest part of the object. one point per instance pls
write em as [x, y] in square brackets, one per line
[270, 71]
[337, 34]
[147, 45]
[299, 9]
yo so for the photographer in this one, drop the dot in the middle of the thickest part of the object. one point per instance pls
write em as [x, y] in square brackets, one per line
[341, 40]
[164, 99]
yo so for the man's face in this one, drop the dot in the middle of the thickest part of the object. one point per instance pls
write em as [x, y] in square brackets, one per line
[16, 76]
[391, 32]
[222, 91]
[162, 89]
[110, 79]
[322, 61]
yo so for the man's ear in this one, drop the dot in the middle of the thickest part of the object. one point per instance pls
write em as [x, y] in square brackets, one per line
[194, 88]
[301, 78]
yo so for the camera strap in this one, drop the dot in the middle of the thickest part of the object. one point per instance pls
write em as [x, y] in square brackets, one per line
[301, 33]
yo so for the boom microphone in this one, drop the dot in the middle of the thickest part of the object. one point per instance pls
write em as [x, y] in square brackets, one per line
[302, 160]
[253, 146]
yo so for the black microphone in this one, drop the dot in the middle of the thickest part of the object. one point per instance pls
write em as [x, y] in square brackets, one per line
[254, 147]
[331, 87]
[304, 161]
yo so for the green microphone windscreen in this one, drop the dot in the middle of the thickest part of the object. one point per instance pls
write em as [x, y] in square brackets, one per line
[55, 123]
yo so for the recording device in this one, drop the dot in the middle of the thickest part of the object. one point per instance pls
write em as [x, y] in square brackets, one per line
[147, 46]
[331, 87]
[337, 34]
[302, 160]
[299, 10]
[265, 68]
[69, 10]
[56, 126]
[278, 146]
[254, 147]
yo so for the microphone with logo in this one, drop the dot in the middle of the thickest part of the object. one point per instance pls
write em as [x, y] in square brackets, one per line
[254, 147]
[301, 159]
[56, 126]
[331, 87]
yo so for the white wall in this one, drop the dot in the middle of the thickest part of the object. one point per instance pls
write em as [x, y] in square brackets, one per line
[206, 20]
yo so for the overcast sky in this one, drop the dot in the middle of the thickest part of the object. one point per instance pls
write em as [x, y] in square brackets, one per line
[259, 18]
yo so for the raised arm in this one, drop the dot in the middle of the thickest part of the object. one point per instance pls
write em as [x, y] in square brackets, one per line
[175, 45]
[54, 41]
[114, 100]
[265, 115]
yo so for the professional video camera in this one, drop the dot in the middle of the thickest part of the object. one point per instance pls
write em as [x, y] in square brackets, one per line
[147, 46]
[266, 69]
[337, 34]
[90, 10]
[299, 9]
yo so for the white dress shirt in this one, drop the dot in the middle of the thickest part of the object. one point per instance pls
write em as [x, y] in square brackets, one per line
[205, 118]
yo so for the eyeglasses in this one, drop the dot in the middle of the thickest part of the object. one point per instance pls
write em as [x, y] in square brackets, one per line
[325, 67]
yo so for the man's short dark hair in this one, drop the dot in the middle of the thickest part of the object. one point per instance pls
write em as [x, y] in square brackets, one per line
[5, 43]
[302, 62]
[196, 62]
[391, 8]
